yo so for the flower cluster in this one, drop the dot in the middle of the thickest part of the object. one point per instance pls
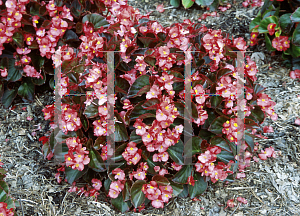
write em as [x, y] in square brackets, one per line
[70, 120]
[115, 188]
[77, 155]
[5, 211]
[132, 154]
[157, 194]
[264, 101]
[206, 166]
[253, 3]
[281, 43]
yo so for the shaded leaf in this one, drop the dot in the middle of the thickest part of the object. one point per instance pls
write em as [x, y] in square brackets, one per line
[182, 175]
[96, 19]
[199, 187]
[8, 96]
[96, 162]
[137, 195]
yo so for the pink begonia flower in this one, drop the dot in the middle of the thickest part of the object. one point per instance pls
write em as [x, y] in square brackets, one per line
[230, 203]
[29, 118]
[156, 168]
[3, 72]
[97, 184]
[240, 175]
[269, 152]
[119, 174]
[242, 200]
[268, 129]
[297, 121]
[160, 8]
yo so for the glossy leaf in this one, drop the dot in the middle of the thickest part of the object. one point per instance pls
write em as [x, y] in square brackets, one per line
[96, 19]
[249, 140]
[127, 190]
[263, 26]
[187, 3]
[138, 85]
[176, 153]
[286, 22]
[182, 175]
[138, 110]
[269, 43]
[135, 138]
[96, 162]
[175, 3]
[120, 130]
[119, 203]
[26, 90]
[177, 188]
[161, 180]
[8, 97]
[151, 104]
[18, 38]
[72, 175]
[255, 22]
[217, 125]
[225, 156]
[221, 142]
[204, 2]
[296, 36]
[199, 187]
[13, 74]
[296, 15]
[91, 111]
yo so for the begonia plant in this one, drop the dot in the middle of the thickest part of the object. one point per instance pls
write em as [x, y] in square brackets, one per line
[149, 111]
[278, 21]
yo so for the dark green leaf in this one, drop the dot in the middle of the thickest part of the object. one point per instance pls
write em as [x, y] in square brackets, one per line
[258, 114]
[138, 110]
[26, 90]
[286, 23]
[176, 153]
[263, 26]
[61, 137]
[119, 203]
[72, 175]
[96, 162]
[217, 125]
[148, 41]
[185, 191]
[149, 60]
[122, 84]
[161, 180]
[294, 50]
[46, 149]
[35, 8]
[296, 15]
[8, 96]
[70, 35]
[139, 84]
[255, 22]
[76, 8]
[107, 183]
[18, 39]
[199, 187]
[96, 19]
[223, 72]
[216, 101]
[267, 4]
[182, 175]
[127, 190]
[204, 2]
[269, 43]
[296, 36]
[151, 104]
[79, 27]
[137, 195]
[175, 3]
[177, 188]
[250, 141]
[13, 74]
[118, 153]
[221, 142]
[225, 156]
[91, 111]
[135, 138]
[4, 186]
[120, 130]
